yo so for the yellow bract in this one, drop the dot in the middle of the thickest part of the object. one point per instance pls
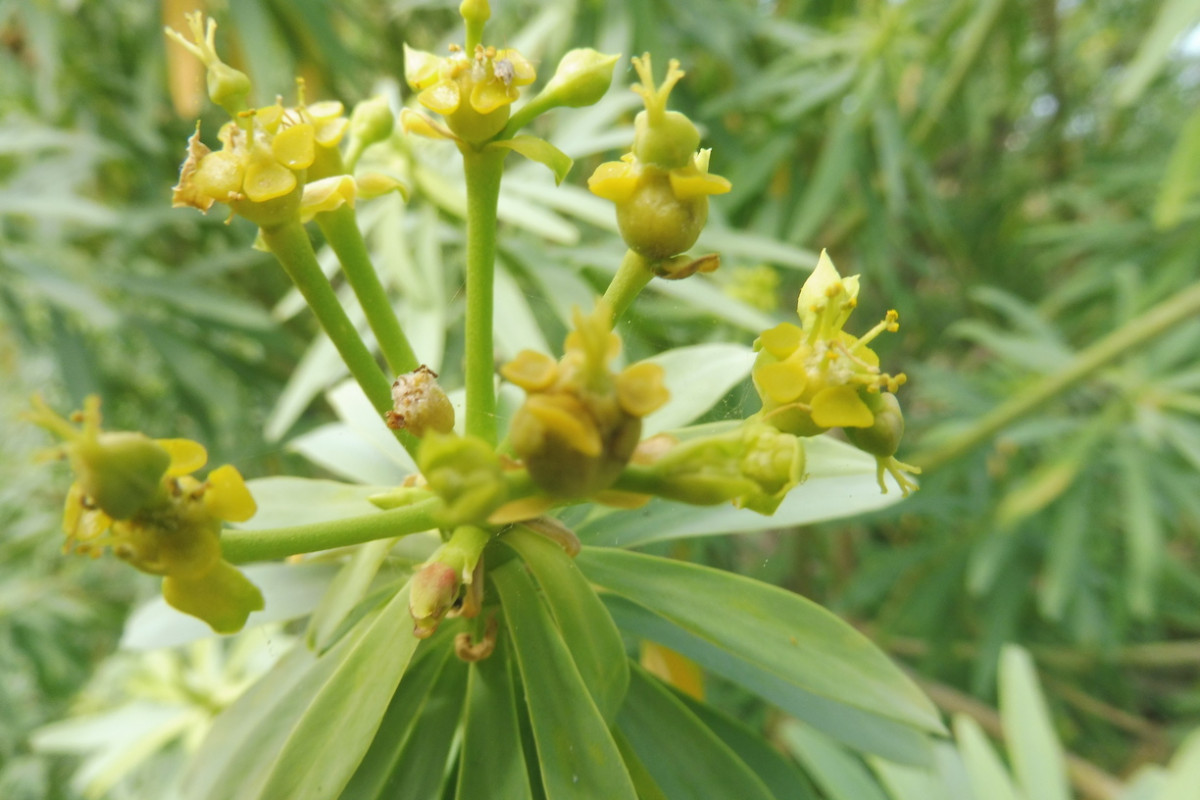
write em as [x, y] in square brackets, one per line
[580, 422]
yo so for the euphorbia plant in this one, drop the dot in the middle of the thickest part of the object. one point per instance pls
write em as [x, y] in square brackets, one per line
[506, 664]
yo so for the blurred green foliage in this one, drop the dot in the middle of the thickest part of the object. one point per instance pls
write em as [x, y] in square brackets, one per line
[1017, 179]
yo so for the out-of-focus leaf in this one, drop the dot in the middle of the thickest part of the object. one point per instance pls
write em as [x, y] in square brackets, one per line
[1175, 17]
[576, 753]
[286, 501]
[840, 775]
[345, 591]
[1034, 747]
[696, 377]
[989, 778]
[685, 758]
[1145, 541]
[516, 328]
[1182, 177]
[1184, 773]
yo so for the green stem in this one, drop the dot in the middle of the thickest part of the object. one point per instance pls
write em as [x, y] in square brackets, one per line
[340, 227]
[290, 244]
[483, 170]
[240, 547]
[1153, 323]
[632, 276]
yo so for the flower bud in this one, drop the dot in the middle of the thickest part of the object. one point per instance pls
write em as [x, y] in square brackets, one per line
[121, 472]
[227, 87]
[754, 465]
[419, 404]
[466, 473]
[661, 188]
[371, 121]
[581, 79]
[435, 589]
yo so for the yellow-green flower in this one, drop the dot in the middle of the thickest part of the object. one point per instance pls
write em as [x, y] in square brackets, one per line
[136, 497]
[581, 422]
[661, 187]
[816, 376]
[261, 166]
[473, 94]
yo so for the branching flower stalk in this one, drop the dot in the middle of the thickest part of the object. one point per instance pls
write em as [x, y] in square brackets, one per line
[578, 435]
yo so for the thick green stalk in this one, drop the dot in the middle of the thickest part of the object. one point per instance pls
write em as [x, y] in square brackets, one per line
[1121, 342]
[340, 227]
[290, 244]
[632, 276]
[483, 169]
[240, 547]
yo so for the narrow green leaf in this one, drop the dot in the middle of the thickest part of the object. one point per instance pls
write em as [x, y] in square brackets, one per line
[643, 781]
[576, 754]
[989, 779]
[1032, 744]
[685, 758]
[413, 694]
[312, 764]
[840, 775]
[858, 729]
[1144, 538]
[538, 150]
[346, 590]
[420, 768]
[783, 633]
[493, 763]
[584, 623]
[780, 775]
[1175, 17]
[1182, 176]
[245, 738]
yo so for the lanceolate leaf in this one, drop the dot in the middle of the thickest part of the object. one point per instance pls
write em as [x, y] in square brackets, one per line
[1032, 743]
[286, 731]
[398, 727]
[989, 779]
[577, 756]
[782, 633]
[420, 769]
[583, 621]
[685, 758]
[541, 151]
[781, 776]
[493, 764]
[859, 729]
[839, 774]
